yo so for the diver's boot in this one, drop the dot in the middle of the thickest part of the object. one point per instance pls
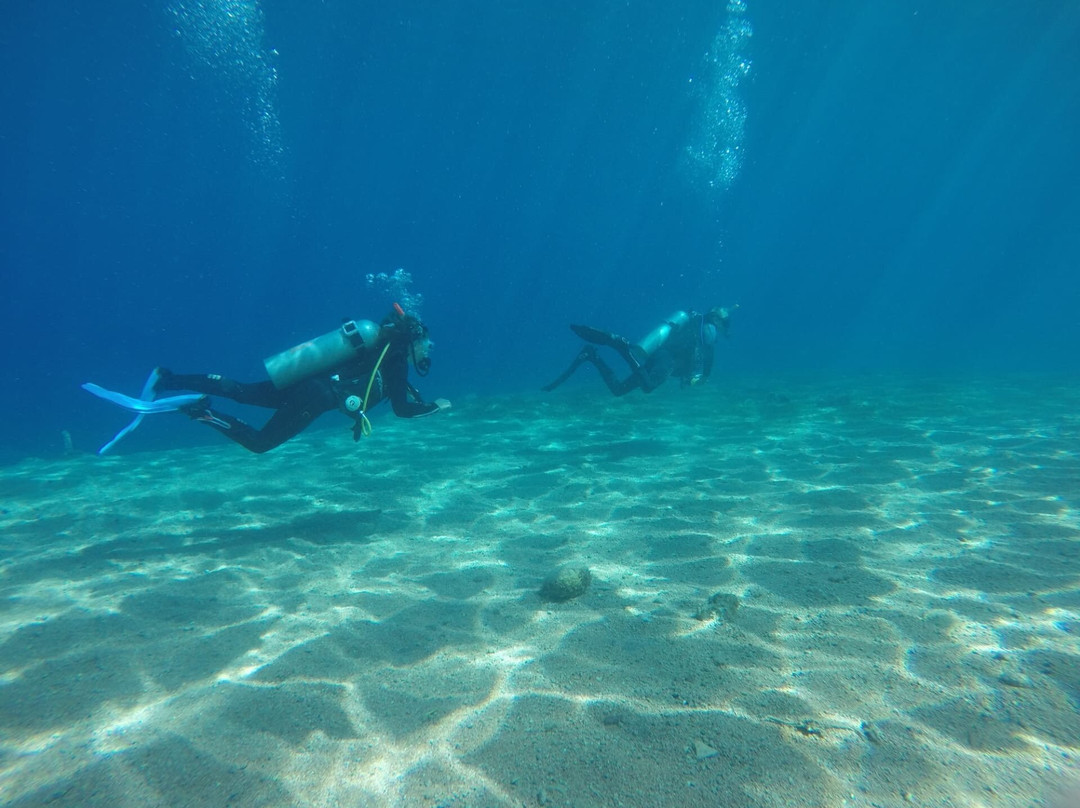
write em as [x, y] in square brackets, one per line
[160, 380]
[587, 354]
[196, 409]
[200, 411]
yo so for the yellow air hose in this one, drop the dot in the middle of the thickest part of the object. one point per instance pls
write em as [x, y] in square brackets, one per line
[365, 424]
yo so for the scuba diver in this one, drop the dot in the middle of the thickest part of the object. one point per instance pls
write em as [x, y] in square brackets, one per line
[683, 346]
[350, 369]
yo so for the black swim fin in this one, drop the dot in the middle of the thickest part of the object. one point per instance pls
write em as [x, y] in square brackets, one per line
[633, 354]
[587, 354]
[596, 336]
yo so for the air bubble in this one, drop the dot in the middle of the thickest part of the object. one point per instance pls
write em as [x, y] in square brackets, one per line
[714, 152]
[226, 38]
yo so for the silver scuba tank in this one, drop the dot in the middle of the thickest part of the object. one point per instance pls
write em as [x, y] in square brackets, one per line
[658, 336]
[318, 355]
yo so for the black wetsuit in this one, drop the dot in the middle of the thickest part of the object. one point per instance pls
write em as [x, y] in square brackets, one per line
[683, 354]
[297, 406]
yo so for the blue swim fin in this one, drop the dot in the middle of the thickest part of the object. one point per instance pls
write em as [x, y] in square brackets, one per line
[144, 405]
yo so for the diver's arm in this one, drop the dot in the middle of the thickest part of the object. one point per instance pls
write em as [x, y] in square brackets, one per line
[403, 408]
[398, 390]
[710, 355]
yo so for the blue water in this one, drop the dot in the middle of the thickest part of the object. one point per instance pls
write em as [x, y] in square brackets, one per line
[881, 187]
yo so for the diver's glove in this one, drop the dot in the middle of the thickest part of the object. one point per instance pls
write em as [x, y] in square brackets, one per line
[357, 430]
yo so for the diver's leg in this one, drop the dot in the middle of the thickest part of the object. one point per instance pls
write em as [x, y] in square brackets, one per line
[656, 371]
[257, 394]
[303, 404]
[617, 387]
[228, 425]
[286, 423]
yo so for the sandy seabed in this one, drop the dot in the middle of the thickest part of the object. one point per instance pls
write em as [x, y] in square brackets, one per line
[863, 593]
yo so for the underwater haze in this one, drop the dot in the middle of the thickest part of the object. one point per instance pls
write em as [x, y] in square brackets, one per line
[202, 183]
[843, 573]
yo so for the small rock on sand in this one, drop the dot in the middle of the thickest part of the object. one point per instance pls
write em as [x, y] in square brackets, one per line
[703, 751]
[565, 583]
[721, 607]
